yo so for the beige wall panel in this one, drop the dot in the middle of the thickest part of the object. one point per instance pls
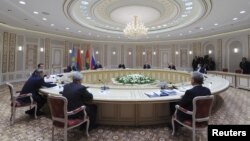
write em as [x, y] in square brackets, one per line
[31, 57]
[5, 52]
[12, 52]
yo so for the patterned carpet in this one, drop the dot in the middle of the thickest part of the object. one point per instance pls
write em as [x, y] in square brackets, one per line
[232, 107]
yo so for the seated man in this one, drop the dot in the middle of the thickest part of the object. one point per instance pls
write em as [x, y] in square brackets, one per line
[187, 100]
[121, 66]
[78, 95]
[201, 69]
[172, 66]
[146, 66]
[98, 65]
[34, 83]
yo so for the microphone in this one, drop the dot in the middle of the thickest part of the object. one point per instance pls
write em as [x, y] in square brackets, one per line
[103, 87]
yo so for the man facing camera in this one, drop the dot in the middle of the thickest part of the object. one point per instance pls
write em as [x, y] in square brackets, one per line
[34, 83]
[77, 96]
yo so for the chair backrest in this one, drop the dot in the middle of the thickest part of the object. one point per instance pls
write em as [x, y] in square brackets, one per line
[202, 106]
[58, 109]
[225, 70]
[12, 90]
[238, 71]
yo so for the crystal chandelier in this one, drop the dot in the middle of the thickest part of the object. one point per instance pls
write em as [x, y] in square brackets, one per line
[135, 29]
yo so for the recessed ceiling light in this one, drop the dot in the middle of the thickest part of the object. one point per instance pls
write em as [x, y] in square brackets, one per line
[153, 27]
[79, 31]
[215, 24]
[164, 25]
[45, 19]
[22, 2]
[35, 12]
[169, 35]
[189, 8]
[201, 28]
[67, 28]
[242, 12]
[188, 3]
[235, 19]
[190, 31]
[84, 2]
[52, 24]
[185, 15]
[88, 18]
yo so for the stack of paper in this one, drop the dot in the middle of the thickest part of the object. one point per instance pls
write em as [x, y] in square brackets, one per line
[167, 92]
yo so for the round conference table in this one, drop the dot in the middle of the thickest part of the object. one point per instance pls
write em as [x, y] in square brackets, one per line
[135, 104]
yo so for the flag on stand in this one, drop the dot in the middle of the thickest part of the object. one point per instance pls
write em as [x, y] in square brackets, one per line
[78, 60]
[73, 58]
[93, 62]
[87, 60]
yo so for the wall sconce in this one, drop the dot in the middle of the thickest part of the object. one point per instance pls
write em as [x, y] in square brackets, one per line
[70, 51]
[154, 53]
[209, 51]
[20, 48]
[41, 49]
[190, 52]
[176, 52]
[129, 53]
[236, 50]
[82, 51]
[143, 53]
[114, 52]
[96, 52]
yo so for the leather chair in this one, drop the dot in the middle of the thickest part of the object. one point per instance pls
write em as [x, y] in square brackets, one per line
[16, 104]
[238, 71]
[202, 106]
[225, 70]
[59, 113]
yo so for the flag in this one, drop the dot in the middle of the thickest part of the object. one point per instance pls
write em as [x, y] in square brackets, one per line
[87, 58]
[78, 60]
[93, 62]
[73, 58]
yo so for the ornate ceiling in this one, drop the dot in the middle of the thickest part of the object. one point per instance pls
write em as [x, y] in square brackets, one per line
[104, 20]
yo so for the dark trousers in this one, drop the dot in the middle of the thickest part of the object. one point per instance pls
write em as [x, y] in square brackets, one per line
[91, 110]
[37, 98]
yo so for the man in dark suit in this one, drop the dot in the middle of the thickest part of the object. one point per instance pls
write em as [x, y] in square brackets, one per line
[245, 65]
[146, 66]
[187, 100]
[98, 65]
[34, 83]
[172, 66]
[121, 66]
[78, 95]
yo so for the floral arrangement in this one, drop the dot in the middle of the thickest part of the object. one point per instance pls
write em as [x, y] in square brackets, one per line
[134, 79]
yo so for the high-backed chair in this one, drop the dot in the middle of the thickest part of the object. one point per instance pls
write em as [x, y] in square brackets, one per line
[16, 104]
[225, 70]
[59, 113]
[202, 106]
[238, 71]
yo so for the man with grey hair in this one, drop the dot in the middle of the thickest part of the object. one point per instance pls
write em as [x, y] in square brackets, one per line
[187, 100]
[78, 95]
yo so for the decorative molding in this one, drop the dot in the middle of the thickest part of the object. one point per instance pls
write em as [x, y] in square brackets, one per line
[31, 56]
[66, 53]
[47, 51]
[219, 55]
[5, 52]
[12, 51]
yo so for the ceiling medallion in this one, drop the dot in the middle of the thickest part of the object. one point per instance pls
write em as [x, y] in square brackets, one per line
[135, 29]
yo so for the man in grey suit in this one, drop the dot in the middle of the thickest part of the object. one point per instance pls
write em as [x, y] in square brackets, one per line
[78, 95]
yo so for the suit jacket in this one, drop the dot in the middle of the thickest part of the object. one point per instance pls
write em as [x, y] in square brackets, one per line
[121, 66]
[172, 67]
[33, 84]
[201, 70]
[146, 66]
[97, 66]
[77, 95]
[187, 100]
